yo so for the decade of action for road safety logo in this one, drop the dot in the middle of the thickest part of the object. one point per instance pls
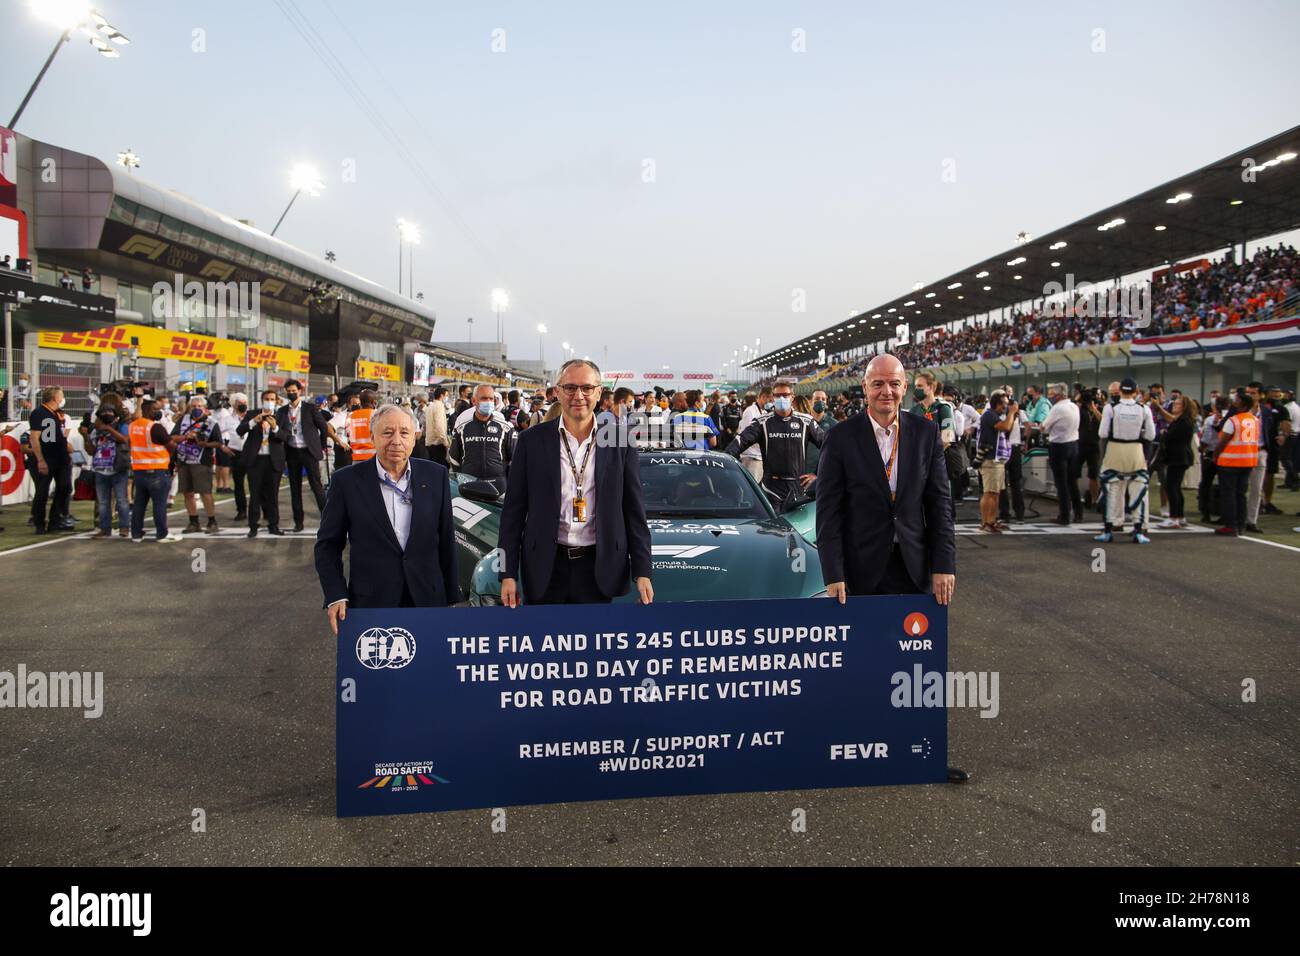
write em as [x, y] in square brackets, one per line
[458, 708]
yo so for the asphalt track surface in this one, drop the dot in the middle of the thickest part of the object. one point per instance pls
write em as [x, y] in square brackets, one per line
[1120, 691]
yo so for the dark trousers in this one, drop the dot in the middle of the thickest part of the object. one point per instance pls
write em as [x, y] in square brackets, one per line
[573, 580]
[1016, 486]
[59, 473]
[438, 453]
[150, 487]
[237, 475]
[263, 492]
[298, 460]
[1291, 461]
[1205, 497]
[1174, 489]
[342, 457]
[1232, 496]
[1061, 456]
[896, 579]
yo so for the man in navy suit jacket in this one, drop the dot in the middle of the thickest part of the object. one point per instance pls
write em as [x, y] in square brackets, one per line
[573, 521]
[884, 514]
[395, 512]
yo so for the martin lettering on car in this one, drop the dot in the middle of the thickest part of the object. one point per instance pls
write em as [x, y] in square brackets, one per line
[714, 535]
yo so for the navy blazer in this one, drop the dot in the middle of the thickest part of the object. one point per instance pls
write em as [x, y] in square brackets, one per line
[856, 521]
[530, 517]
[355, 515]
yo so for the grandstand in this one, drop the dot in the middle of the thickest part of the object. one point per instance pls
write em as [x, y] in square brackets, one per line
[452, 368]
[1011, 315]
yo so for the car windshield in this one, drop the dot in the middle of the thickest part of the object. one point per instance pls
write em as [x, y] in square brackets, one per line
[698, 486]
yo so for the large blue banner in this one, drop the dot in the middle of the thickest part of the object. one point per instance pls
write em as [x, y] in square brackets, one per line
[456, 708]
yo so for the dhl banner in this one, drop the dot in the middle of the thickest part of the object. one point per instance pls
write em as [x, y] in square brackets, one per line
[378, 371]
[183, 346]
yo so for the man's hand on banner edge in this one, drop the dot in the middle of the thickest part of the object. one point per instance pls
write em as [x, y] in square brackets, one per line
[837, 590]
[338, 611]
[943, 585]
[645, 591]
[509, 593]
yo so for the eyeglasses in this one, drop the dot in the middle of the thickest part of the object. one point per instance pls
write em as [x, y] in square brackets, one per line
[572, 389]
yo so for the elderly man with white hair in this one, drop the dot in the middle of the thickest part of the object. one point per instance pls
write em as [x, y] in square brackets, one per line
[1061, 426]
[395, 513]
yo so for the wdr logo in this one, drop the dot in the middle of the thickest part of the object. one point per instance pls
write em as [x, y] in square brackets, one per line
[385, 647]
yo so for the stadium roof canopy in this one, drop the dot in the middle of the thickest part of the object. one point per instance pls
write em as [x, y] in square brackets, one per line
[1211, 208]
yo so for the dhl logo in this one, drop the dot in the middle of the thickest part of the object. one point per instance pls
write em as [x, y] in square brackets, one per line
[110, 337]
[143, 245]
[192, 349]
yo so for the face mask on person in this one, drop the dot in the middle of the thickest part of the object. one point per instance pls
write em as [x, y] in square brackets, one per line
[819, 407]
[782, 403]
[62, 401]
[918, 394]
[196, 413]
[1114, 398]
[268, 406]
[242, 409]
[486, 408]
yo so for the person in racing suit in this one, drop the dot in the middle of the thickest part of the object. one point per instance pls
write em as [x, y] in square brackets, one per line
[783, 437]
[1125, 426]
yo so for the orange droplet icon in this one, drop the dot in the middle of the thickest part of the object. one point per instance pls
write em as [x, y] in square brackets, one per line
[916, 624]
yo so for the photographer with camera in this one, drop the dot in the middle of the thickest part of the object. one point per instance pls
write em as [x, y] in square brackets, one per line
[200, 437]
[110, 448]
[994, 449]
[263, 458]
[151, 447]
[1216, 415]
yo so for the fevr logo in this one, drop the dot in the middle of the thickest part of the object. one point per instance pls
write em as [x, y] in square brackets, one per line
[916, 624]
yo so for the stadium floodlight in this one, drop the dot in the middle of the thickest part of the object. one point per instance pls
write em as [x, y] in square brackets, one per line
[69, 15]
[1236, 202]
[1022, 238]
[917, 285]
[409, 231]
[128, 160]
[1058, 245]
[302, 178]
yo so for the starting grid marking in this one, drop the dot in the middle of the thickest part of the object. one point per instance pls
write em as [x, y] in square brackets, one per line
[1092, 528]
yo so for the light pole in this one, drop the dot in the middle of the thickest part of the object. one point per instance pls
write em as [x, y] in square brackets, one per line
[500, 302]
[128, 160]
[302, 178]
[409, 233]
[541, 345]
[470, 322]
[72, 15]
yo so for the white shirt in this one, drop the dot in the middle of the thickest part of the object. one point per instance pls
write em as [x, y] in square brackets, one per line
[1062, 422]
[885, 438]
[747, 417]
[1013, 436]
[574, 533]
[295, 425]
[228, 421]
[1293, 409]
[399, 511]
[971, 416]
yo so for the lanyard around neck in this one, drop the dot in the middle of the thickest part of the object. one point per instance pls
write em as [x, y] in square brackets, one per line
[578, 472]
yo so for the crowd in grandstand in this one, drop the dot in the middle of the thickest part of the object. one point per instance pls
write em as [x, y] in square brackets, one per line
[1219, 295]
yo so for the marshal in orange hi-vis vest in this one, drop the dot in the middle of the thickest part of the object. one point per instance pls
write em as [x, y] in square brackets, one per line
[145, 454]
[363, 446]
[1242, 450]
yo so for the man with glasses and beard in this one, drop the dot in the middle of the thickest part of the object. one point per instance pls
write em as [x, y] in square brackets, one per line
[573, 525]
